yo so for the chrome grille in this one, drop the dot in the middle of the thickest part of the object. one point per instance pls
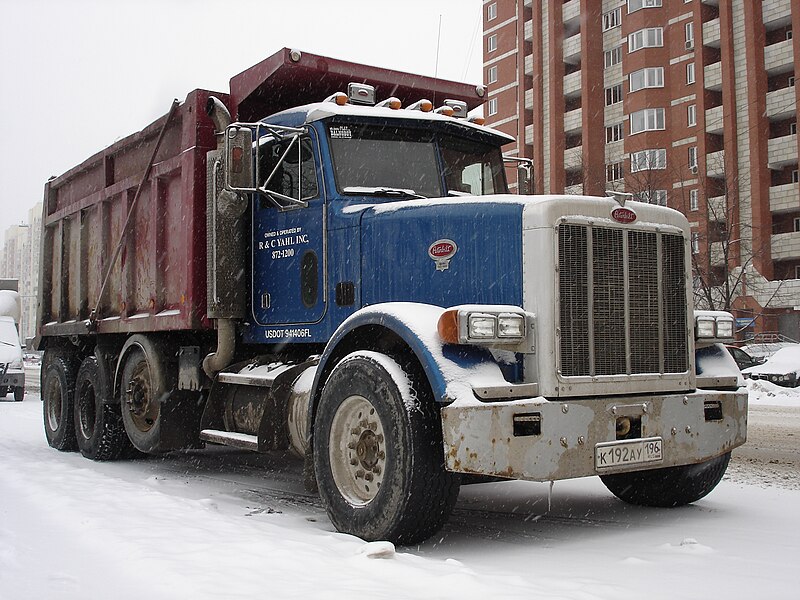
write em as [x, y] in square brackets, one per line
[634, 282]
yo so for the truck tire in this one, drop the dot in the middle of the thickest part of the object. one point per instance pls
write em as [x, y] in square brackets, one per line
[141, 392]
[668, 487]
[99, 430]
[19, 393]
[3, 391]
[58, 387]
[378, 454]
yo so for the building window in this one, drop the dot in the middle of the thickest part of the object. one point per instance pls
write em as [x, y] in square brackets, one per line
[658, 197]
[613, 56]
[788, 34]
[797, 223]
[615, 171]
[491, 76]
[795, 176]
[693, 158]
[648, 160]
[691, 115]
[491, 43]
[614, 133]
[695, 243]
[492, 106]
[612, 18]
[634, 5]
[793, 128]
[649, 119]
[651, 77]
[791, 81]
[690, 73]
[694, 202]
[613, 94]
[491, 11]
[652, 37]
[689, 33]
[797, 271]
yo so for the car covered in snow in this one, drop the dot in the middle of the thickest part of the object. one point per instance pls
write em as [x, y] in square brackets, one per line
[743, 359]
[782, 368]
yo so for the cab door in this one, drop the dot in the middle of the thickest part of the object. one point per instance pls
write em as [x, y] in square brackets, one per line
[289, 237]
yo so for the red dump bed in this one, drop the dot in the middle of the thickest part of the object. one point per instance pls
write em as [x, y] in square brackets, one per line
[158, 283]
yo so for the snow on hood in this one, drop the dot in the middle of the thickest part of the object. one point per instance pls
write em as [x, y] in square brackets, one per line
[786, 360]
[10, 349]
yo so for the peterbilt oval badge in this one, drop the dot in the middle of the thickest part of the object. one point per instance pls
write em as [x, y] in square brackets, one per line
[441, 251]
[623, 215]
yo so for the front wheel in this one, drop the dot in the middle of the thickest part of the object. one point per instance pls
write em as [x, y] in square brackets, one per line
[378, 452]
[668, 487]
[58, 387]
[19, 393]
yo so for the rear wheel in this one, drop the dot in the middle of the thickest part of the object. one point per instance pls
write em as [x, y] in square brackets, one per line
[3, 391]
[141, 394]
[378, 453]
[669, 487]
[98, 424]
[58, 387]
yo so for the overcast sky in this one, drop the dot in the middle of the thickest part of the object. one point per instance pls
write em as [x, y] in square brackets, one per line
[77, 75]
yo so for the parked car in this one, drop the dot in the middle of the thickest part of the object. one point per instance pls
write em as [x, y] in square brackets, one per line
[782, 368]
[743, 359]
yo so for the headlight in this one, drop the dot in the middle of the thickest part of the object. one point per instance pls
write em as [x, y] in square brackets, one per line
[705, 327]
[487, 326]
[15, 364]
[716, 326]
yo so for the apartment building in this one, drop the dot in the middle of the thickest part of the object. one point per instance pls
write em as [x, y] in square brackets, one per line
[19, 259]
[687, 103]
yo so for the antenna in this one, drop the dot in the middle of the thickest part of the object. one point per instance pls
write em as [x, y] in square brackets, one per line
[438, 39]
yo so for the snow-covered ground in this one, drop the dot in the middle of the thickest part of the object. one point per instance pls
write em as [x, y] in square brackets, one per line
[222, 524]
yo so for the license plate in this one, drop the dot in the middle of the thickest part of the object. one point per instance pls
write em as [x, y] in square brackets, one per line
[628, 452]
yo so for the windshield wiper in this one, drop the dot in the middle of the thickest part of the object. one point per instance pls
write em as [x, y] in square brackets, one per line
[382, 191]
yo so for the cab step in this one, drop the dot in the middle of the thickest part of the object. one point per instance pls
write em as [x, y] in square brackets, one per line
[230, 438]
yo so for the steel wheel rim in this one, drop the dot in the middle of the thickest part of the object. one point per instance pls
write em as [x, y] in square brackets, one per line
[142, 407]
[87, 411]
[53, 404]
[357, 450]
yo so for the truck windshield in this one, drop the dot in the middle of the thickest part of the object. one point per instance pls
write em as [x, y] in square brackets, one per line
[371, 157]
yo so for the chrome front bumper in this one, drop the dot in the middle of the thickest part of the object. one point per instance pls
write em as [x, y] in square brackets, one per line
[542, 440]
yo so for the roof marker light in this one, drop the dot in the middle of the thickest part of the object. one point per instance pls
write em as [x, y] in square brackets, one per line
[424, 105]
[391, 102]
[477, 120]
[445, 110]
[459, 108]
[339, 98]
[361, 93]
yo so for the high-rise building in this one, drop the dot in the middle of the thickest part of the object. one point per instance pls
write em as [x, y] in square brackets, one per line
[687, 103]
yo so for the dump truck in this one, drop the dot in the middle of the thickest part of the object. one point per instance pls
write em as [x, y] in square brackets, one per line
[327, 259]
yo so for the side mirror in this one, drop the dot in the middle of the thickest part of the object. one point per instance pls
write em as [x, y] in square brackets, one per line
[239, 159]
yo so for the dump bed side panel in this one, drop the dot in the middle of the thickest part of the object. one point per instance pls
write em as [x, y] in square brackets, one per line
[158, 282]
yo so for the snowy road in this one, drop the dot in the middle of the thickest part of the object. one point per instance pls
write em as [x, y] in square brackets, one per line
[226, 524]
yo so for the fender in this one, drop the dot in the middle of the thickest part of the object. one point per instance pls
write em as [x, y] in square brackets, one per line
[450, 370]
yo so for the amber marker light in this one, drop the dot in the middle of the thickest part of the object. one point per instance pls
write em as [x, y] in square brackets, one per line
[393, 103]
[422, 105]
[339, 98]
[447, 111]
[448, 327]
[477, 120]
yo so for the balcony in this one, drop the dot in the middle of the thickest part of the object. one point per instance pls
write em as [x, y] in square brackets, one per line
[717, 209]
[573, 158]
[528, 99]
[781, 104]
[528, 31]
[574, 190]
[784, 198]
[711, 33]
[572, 49]
[572, 84]
[779, 58]
[571, 10]
[716, 254]
[714, 123]
[786, 246]
[713, 77]
[776, 13]
[529, 65]
[782, 151]
[715, 164]
[573, 121]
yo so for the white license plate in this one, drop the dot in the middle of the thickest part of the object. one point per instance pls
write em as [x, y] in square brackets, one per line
[628, 452]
